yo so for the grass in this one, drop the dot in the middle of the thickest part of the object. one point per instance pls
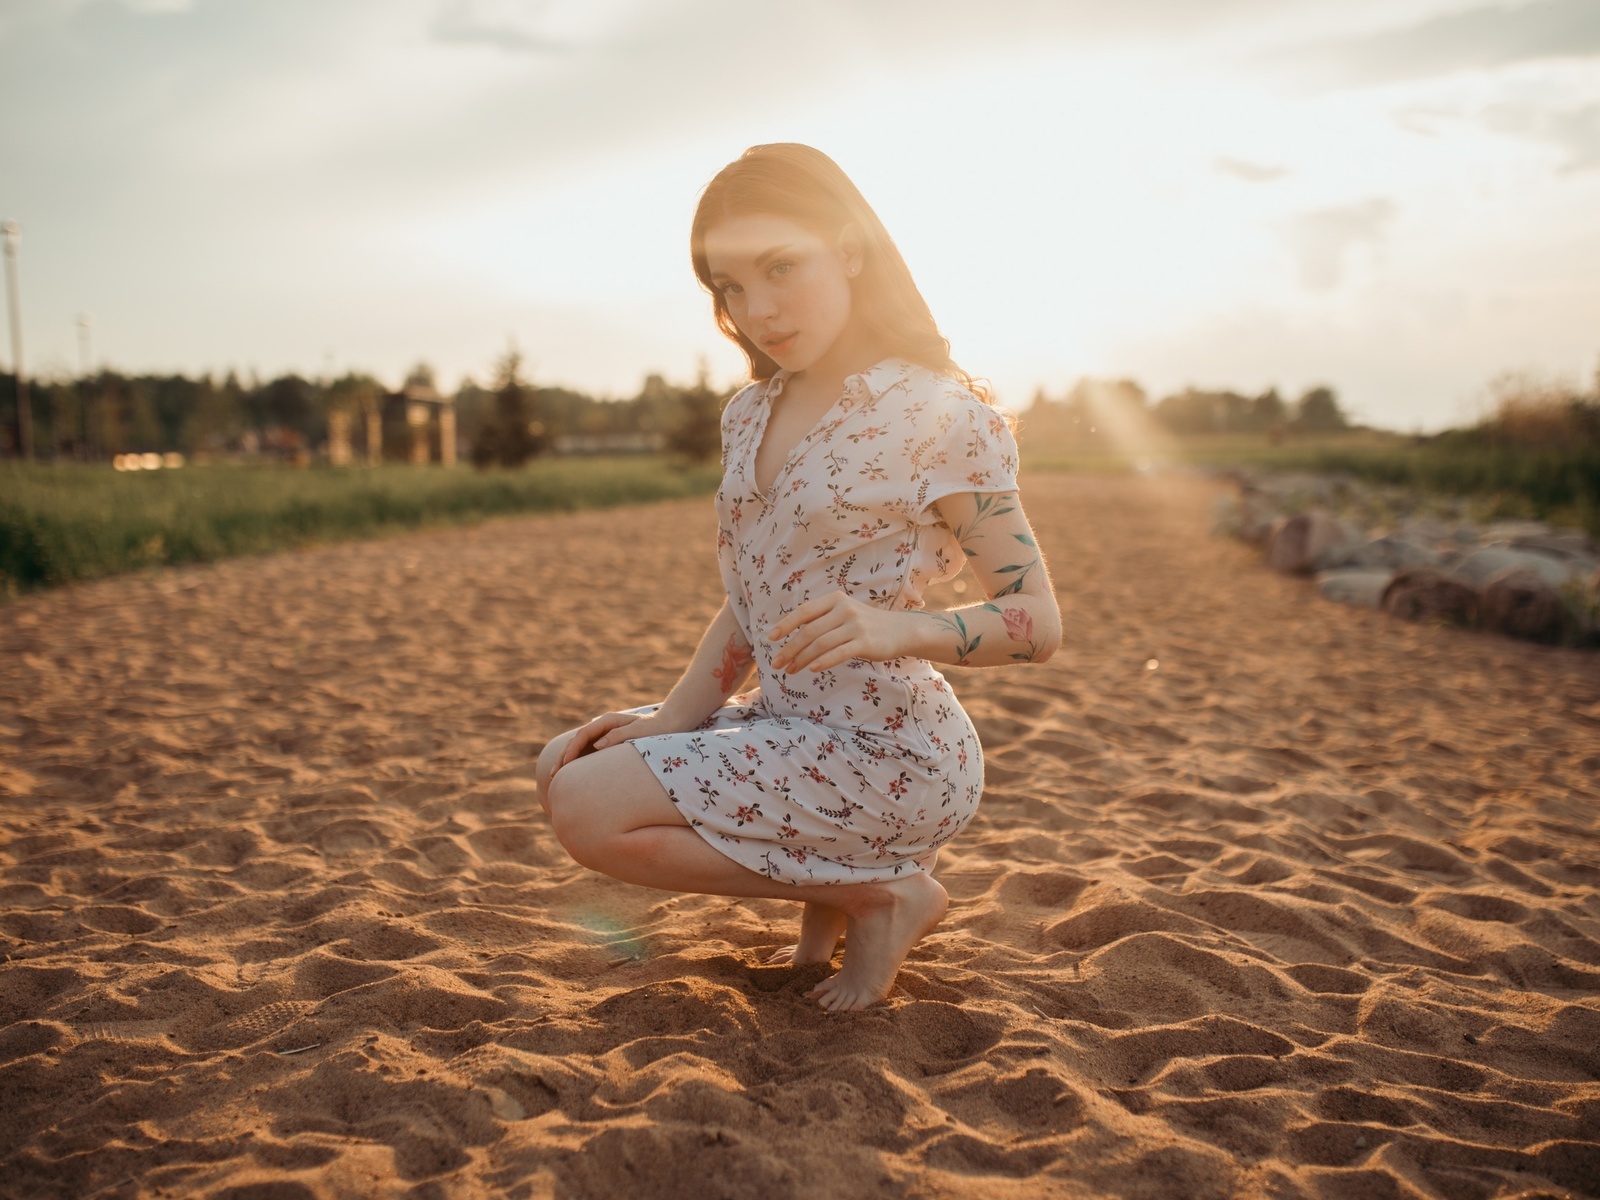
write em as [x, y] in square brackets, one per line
[69, 522]
[1550, 481]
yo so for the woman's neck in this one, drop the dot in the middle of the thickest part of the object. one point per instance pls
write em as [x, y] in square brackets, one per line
[854, 351]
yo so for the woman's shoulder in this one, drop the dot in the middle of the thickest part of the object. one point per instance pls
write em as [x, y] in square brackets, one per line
[932, 393]
[740, 408]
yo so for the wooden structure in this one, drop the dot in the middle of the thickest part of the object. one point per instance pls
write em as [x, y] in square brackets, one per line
[424, 405]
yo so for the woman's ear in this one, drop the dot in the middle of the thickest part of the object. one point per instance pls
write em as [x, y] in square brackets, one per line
[851, 249]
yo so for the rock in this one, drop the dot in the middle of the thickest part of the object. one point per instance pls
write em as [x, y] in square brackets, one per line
[1425, 531]
[1520, 604]
[1566, 543]
[1362, 587]
[1508, 531]
[1396, 552]
[1426, 594]
[1483, 564]
[1307, 542]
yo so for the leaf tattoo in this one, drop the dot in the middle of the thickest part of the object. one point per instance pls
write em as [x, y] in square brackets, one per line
[989, 504]
[965, 643]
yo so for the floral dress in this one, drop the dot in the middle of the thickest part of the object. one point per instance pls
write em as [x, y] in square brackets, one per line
[863, 771]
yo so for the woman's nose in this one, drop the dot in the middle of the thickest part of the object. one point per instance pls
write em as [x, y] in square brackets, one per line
[760, 304]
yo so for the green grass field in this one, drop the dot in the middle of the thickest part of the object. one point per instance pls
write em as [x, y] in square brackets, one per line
[1559, 484]
[70, 522]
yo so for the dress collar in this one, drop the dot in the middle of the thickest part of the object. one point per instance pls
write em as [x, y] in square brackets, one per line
[876, 379]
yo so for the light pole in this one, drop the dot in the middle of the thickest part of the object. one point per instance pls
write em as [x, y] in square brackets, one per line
[13, 233]
[85, 366]
[85, 359]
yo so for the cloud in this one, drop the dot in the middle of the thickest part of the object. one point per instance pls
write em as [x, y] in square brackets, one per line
[1322, 240]
[1574, 130]
[1491, 36]
[476, 24]
[1250, 172]
[536, 26]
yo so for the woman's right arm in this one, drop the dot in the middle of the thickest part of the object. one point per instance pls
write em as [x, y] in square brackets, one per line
[719, 668]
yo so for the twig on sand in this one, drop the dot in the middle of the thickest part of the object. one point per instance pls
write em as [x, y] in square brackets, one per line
[299, 1049]
[1041, 1012]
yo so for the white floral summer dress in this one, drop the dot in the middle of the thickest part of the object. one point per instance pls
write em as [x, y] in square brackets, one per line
[860, 772]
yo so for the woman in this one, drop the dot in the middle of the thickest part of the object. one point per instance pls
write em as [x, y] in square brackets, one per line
[859, 465]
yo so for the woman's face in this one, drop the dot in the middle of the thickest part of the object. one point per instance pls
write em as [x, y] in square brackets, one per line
[786, 288]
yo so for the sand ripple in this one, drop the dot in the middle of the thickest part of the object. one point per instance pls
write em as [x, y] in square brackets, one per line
[1265, 897]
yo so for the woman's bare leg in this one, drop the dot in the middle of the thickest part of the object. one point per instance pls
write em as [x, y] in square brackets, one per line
[613, 816]
[548, 758]
[821, 927]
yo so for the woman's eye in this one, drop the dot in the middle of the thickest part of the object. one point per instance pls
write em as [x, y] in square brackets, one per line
[781, 267]
[730, 289]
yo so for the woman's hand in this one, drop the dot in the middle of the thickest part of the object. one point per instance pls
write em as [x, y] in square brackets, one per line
[612, 729]
[833, 629]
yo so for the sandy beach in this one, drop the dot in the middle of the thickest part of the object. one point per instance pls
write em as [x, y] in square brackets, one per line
[1266, 897]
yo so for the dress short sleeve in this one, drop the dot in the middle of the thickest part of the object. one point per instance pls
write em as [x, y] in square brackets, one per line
[971, 450]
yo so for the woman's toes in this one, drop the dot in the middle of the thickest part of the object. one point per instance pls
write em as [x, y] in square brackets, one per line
[822, 989]
[782, 956]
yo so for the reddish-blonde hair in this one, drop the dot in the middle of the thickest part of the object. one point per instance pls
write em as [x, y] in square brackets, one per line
[804, 185]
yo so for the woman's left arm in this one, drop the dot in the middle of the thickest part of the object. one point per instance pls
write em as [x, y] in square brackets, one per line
[1019, 622]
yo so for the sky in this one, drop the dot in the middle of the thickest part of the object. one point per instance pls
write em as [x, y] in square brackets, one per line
[1397, 198]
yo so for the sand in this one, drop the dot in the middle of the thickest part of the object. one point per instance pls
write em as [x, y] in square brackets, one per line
[1266, 897]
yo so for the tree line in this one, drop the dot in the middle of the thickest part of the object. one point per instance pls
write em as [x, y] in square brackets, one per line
[510, 419]
[1097, 409]
[506, 421]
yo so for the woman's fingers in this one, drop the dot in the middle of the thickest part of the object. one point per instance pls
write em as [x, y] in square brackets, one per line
[588, 737]
[836, 656]
[806, 612]
[832, 629]
[824, 646]
[614, 736]
[801, 644]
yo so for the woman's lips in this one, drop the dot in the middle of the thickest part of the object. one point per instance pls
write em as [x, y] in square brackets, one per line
[771, 345]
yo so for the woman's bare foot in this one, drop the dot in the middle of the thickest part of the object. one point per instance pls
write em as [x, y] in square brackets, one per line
[883, 925]
[821, 927]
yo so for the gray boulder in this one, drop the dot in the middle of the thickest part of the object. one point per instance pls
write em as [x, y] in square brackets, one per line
[1425, 531]
[1396, 551]
[1486, 562]
[1519, 604]
[1361, 587]
[1426, 594]
[1308, 542]
[1566, 543]
[1510, 531]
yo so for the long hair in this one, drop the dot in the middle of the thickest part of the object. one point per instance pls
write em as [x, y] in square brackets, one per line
[804, 185]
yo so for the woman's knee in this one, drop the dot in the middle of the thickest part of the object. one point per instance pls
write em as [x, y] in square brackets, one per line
[596, 799]
[574, 809]
[546, 769]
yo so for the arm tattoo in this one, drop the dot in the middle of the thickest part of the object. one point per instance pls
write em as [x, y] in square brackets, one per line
[965, 644]
[1019, 572]
[997, 505]
[989, 504]
[1019, 628]
[736, 660]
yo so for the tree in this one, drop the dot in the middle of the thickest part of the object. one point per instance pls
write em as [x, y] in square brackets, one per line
[1193, 411]
[512, 432]
[697, 432]
[1268, 410]
[1318, 412]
